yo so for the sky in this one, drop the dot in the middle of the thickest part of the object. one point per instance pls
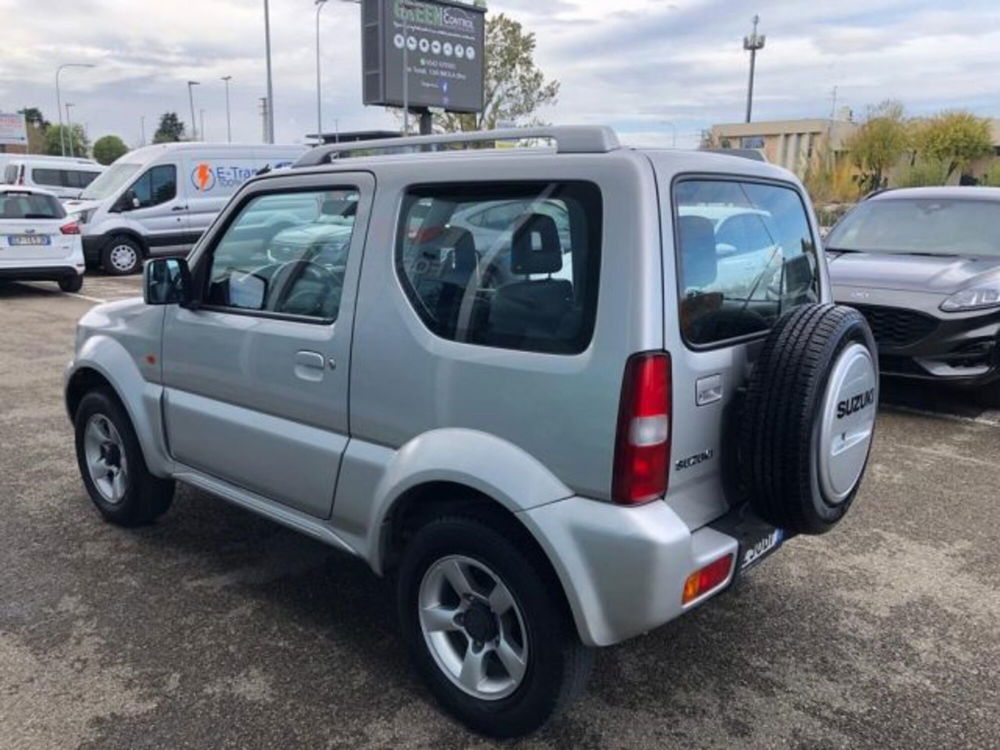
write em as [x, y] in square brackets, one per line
[659, 71]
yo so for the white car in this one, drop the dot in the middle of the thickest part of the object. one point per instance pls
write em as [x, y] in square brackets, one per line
[38, 242]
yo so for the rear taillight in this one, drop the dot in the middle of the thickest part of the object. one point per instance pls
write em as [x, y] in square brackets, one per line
[71, 228]
[642, 446]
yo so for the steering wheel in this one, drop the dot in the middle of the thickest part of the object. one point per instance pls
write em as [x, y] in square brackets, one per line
[302, 301]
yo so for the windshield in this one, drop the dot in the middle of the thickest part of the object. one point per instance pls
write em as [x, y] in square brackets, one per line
[920, 225]
[109, 182]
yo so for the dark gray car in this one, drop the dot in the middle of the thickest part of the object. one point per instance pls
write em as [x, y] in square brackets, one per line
[923, 265]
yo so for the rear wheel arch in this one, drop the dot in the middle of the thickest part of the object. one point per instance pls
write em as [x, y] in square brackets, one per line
[429, 501]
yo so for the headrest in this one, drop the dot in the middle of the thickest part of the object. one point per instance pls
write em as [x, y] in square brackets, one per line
[535, 246]
[462, 246]
[699, 263]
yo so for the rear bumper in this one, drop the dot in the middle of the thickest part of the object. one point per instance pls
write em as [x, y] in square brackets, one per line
[623, 569]
[40, 273]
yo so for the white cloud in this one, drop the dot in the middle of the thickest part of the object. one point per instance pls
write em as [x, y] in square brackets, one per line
[636, 64]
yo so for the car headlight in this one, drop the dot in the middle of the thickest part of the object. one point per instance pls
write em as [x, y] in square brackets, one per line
[974, 298]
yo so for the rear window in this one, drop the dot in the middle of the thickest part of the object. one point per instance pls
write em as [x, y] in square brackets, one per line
[509, 265]
[745, 255]
[14, 205]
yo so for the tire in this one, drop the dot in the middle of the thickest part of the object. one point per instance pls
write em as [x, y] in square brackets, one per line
[808, 418]
[138, 498]
[536, 627]
[121, 256]
[989, 395]
[71, 283]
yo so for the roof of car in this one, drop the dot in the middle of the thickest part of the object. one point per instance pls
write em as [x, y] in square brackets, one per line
[566, 140]
[950, 192]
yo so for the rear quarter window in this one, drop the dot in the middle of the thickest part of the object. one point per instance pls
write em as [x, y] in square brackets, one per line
[745, 254]
[507, 265]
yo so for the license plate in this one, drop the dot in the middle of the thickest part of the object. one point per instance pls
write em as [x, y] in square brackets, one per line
[757, 549]
[27, 239]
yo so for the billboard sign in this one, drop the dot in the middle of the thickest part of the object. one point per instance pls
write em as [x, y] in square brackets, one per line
[443, 44]
[12, 129]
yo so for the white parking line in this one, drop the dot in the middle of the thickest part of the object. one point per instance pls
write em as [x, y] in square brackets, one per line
[47, 290]
[987, 417]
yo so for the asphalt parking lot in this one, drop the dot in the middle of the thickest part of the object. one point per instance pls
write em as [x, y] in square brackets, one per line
[214, 628]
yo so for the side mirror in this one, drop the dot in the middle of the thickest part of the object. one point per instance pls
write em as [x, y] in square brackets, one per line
[167, 281]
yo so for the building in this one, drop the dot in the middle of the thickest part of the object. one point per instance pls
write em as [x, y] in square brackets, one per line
[793, 144]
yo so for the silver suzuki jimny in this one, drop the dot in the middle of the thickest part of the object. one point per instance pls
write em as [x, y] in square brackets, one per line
[561, 394]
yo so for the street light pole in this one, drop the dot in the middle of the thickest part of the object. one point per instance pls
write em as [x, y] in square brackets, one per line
[752, 43]
[673, 130]
[142, 130]
[194, 128]
[201, 123]
[229, 124]
[69, 127]
[62, 134]
[319, 81]
[270, 89]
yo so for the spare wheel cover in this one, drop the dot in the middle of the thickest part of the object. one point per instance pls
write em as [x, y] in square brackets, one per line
[847, 423]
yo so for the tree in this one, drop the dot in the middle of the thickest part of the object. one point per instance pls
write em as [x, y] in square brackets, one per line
[955, 139]
[36, 125]
[170, 129]
[879, 143]
[514, 87]
[107, 148]
[33, 116]
[74, 139]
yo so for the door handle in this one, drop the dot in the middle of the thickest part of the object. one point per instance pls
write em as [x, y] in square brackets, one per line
[708, 390]
[179, 208]
[310, 365]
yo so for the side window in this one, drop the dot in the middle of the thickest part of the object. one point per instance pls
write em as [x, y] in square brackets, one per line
[10, 174]
[745, 254]
[286, 253]
[158, 185]
[47, 177]
[510, 265]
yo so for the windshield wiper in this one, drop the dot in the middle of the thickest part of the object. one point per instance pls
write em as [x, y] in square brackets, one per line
[842, 250]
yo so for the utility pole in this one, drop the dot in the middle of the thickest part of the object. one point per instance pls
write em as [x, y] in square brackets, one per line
[269, 118]
[142, 130]
[752, 43]
[319, 81]
[201, 123]
[229, 123]
[194, 123]
[263, 115]
[69, 127]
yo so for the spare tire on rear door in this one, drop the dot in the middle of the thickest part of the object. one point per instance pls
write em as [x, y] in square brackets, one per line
[809, 416]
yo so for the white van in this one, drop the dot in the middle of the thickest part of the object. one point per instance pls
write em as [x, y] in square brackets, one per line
[65, 177]
[159, 199]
